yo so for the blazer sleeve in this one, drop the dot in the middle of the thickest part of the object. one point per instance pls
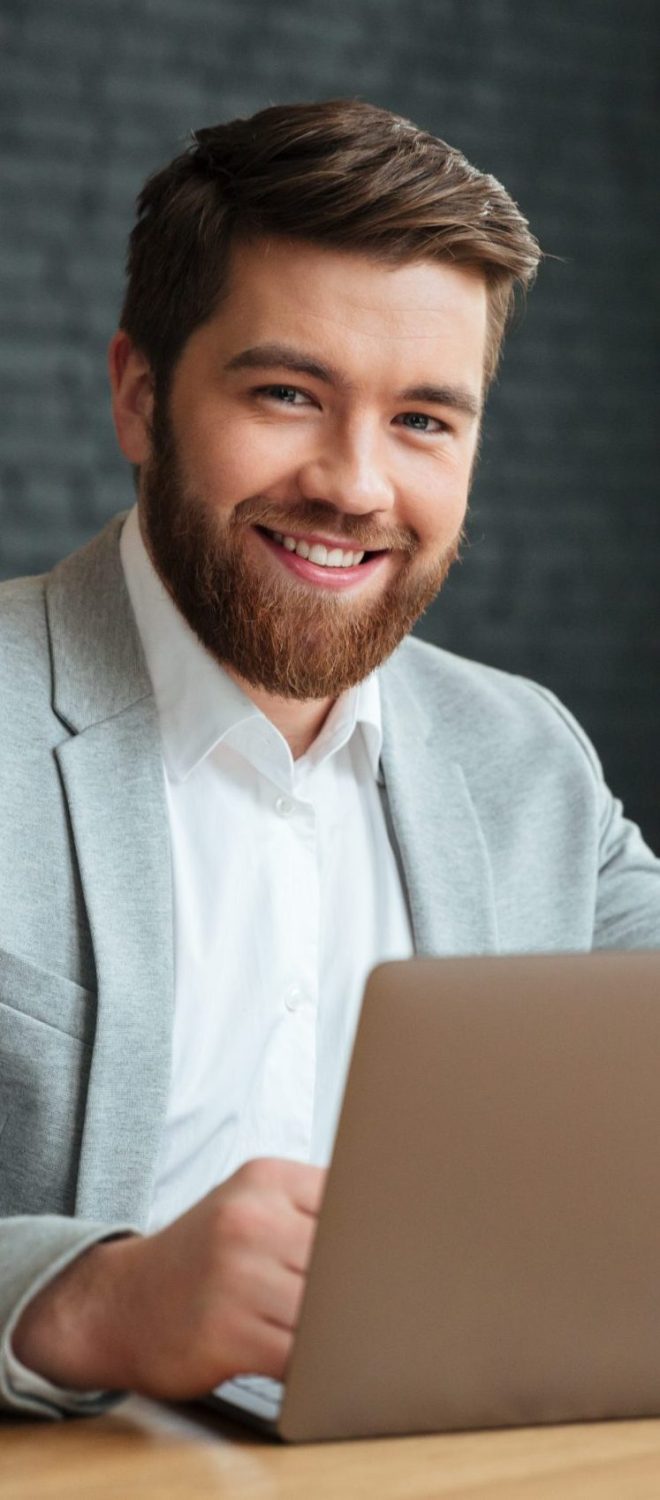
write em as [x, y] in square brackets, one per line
[627, 904]
[33, 1251]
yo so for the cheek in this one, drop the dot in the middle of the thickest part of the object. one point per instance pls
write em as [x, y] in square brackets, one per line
[436, 508]
[234, 462]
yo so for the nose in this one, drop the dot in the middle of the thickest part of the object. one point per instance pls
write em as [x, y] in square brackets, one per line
[349, 471]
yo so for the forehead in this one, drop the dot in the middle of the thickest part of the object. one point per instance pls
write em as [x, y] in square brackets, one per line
[423, 318]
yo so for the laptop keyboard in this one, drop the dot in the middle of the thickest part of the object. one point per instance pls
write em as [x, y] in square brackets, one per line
[255, 1393]
[261, 1385]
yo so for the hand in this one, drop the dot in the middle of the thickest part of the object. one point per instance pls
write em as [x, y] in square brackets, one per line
[172, 1315]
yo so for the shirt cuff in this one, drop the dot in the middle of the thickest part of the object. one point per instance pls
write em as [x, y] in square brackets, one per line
[25, 1382]
[33, 1392]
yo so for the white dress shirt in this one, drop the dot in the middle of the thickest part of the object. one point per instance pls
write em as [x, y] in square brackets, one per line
[286, 893]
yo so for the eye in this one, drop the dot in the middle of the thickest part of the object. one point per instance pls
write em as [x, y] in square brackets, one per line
[420, 421]
[286, 395]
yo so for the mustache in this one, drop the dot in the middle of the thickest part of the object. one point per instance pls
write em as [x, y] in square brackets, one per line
[318, 515]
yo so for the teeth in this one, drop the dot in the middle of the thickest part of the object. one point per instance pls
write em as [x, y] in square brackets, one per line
[319, 554]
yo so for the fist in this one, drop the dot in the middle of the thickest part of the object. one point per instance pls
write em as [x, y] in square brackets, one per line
[218, 1292]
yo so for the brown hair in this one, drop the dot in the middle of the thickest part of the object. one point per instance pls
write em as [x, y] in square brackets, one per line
[341, 174]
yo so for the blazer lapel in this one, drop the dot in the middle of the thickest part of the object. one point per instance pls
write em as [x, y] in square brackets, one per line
[113, 781]
[442, 848]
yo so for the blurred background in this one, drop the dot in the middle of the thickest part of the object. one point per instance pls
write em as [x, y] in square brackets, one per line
[560, 581]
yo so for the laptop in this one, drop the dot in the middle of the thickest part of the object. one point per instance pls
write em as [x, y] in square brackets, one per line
[488, 1249]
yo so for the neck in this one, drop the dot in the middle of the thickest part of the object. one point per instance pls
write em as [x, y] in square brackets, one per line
[298, 723]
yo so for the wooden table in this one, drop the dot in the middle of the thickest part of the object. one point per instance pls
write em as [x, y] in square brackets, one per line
[162, 1452]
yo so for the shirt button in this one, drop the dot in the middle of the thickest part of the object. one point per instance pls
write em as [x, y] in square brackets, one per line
[293, 997]
[284, 806]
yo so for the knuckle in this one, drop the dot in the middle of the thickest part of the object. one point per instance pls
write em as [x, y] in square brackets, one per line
[296, 1302]
[264, 1172]
[243, 1219]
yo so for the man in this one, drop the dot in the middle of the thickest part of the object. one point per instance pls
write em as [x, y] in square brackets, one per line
[232, 784]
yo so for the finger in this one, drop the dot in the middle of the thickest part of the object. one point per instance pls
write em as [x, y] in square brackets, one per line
[308, 1187]
[275, 1351]
[285, 1313]
[297, 1243]
[302, 1183]
[266, 1350]
[276, 1295]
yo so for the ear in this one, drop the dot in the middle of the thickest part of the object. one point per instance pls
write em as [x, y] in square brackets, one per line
[132, 387]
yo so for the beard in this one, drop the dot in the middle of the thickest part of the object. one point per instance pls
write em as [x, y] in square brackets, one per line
[285, 636]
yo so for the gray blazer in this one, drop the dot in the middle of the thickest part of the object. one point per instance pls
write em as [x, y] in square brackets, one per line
[507, 837]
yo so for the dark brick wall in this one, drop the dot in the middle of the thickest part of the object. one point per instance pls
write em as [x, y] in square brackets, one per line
[560, 581]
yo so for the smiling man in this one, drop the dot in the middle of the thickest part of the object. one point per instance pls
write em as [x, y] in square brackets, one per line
[306, 482]
[245, 783]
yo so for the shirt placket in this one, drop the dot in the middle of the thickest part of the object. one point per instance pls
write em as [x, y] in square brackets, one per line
[290, 1070]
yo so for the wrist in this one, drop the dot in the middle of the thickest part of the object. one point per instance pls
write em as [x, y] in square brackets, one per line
[74, 1332]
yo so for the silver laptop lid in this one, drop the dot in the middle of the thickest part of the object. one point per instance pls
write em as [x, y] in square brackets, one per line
[488, 1251]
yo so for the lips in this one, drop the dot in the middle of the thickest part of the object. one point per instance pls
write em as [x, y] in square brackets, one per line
[324, 554]
[329, 578]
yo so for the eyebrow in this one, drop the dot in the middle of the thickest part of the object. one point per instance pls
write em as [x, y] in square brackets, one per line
[297, 362]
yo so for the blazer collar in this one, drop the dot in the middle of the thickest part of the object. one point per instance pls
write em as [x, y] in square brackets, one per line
[442, 849]
[98, 663]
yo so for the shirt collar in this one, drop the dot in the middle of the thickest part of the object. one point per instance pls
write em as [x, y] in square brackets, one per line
[199, 705]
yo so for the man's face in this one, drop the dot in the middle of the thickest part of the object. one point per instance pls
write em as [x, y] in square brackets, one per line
[331, 402]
